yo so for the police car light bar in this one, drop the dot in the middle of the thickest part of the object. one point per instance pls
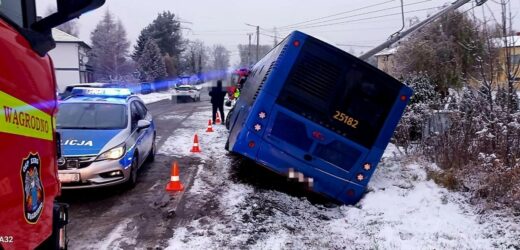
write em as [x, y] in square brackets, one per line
[109, 92]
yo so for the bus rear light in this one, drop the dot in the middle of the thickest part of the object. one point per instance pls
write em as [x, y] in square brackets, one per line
[251, 144]
[404, 98]
[318, 135]
[262, 115]
[350, 192]
[301, 177]
[360, 177]
[291, 174]
[367, 166]
[310, 182]
[258, 127]
[296, 43]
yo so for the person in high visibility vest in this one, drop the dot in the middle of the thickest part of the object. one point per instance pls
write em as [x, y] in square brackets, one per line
[237, 93]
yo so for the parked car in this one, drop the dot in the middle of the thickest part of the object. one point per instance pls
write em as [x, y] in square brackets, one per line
[186, 92]
[146, 88]
[106, 135]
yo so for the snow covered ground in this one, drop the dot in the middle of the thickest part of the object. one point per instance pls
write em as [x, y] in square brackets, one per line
[402, 210]
[158, 96]
[155, 96]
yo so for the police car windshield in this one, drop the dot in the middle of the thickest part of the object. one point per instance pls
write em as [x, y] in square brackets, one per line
[91, 116]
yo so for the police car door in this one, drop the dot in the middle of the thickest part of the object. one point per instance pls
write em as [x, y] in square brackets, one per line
[148, 135]
[138, 134]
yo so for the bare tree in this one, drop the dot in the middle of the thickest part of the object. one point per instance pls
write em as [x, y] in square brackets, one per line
[196, 58]
[246, 55]
[71, 27]
[220, 57]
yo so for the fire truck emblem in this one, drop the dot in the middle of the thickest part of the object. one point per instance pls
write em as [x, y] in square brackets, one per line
[33, 189]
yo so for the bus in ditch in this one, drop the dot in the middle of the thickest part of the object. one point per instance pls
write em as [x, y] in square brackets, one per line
[317, 114]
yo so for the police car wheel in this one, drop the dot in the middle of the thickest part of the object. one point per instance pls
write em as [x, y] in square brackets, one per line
[151, 155]
[132, 179]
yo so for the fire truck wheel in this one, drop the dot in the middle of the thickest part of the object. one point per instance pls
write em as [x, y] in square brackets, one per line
[58, 238]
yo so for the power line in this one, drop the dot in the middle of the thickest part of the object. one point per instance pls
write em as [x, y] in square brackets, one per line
[360, 14]
[270, 35]
[367, 18]
[337, 14]
[354, 45]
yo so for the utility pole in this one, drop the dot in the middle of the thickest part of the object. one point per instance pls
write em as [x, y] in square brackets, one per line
[275, 37]
[249, 50]
[396, 37]
[257, 42]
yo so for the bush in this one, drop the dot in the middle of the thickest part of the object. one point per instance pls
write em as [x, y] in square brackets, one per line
[480, 152]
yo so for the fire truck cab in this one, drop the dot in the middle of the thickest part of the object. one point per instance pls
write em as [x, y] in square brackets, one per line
[30, 217]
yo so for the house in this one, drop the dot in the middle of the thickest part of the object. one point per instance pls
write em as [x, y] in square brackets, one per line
[386, 60]
[513, 45]
[70, 60]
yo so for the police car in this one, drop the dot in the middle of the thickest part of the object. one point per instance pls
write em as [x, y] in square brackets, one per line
[106, 135]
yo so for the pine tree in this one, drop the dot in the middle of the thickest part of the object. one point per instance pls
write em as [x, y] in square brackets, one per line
[141, 41]
[165, 30]
[109, 54]
[151, 65]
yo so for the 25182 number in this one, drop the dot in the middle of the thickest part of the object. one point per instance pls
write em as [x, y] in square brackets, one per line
[349, 121]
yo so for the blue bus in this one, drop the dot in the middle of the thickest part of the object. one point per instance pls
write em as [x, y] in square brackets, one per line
[317, 114]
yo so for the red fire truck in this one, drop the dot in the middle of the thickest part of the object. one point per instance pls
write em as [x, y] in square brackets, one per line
[29, 145]
[237, 78]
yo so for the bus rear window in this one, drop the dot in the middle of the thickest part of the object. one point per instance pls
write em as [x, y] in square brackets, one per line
[362, 105]
[338, 92]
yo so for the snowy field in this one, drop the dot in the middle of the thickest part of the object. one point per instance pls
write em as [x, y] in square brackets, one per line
[402, 210]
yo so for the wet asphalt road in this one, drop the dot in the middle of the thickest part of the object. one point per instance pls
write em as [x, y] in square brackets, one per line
[140, 217]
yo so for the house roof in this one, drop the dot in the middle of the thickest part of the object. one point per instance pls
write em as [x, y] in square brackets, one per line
[513, 41]
[64, 37]
[387, 52]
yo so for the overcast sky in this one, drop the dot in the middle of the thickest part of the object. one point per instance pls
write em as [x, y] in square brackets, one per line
[356, 24]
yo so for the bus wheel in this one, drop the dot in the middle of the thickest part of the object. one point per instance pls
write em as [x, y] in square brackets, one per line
[226, 147]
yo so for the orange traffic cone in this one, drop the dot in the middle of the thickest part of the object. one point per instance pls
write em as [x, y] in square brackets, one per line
[217, 121]
[210, 128]
[195, 148]
[175, 182]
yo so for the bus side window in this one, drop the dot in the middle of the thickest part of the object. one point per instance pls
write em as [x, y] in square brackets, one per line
[135, 116]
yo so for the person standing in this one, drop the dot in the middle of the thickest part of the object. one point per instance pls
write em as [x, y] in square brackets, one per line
[217, 100]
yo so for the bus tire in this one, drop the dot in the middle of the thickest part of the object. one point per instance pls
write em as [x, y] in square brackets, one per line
[226, 147]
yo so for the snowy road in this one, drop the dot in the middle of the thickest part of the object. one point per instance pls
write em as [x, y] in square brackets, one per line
[231, 203]
[227, 208]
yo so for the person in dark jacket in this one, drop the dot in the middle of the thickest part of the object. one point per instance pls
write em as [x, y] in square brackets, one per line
[217, 100]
